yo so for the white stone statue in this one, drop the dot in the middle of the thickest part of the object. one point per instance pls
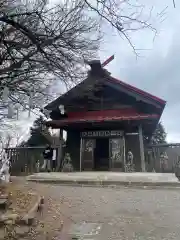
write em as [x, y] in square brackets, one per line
[4, 170]
[67, 163]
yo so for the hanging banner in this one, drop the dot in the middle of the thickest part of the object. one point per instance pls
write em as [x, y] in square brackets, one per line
[95, 134]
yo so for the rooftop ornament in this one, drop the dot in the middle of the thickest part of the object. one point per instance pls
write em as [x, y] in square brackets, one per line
[97, 67]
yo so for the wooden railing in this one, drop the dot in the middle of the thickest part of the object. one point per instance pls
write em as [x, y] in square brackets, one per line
[162, 157]
[24, 159]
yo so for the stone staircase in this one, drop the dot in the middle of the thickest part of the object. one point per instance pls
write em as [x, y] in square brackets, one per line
[12, 225]
[4, 200]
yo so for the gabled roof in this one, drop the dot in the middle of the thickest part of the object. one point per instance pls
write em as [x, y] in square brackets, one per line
[137, 90]
[113, 82]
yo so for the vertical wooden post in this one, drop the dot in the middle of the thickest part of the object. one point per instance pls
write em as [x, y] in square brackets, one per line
[80, 163]
[141, 143]
[124, 147]
[59, 153]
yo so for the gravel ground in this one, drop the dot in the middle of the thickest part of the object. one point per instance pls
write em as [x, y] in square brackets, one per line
[126, 214]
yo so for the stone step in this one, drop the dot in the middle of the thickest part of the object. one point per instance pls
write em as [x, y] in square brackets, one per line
[2, 233]
[13, 232]
[2, 196]
[4, 202]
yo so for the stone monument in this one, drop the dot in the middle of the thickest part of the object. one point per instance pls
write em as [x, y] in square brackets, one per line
[4, 169]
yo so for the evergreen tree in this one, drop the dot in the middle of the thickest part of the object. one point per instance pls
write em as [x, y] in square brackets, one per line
[37, 138]
[159, 135]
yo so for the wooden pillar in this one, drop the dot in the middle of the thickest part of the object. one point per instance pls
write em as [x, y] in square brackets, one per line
[141, 143]
[59, 154]
[81, 148]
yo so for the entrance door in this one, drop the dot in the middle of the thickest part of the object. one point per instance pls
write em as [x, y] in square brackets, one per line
[101, 154]
[87, 154]
[116, 147]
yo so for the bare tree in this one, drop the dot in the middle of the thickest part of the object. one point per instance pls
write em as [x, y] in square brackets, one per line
[125, 16]
[41, 44]
[9, 135]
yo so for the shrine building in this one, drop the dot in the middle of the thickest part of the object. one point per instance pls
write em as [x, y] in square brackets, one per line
[105, 118]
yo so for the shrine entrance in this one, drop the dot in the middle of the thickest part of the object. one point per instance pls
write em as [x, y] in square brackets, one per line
[102, 151]
[101, 154]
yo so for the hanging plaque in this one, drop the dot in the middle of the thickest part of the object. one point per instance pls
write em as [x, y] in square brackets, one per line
[95, 134]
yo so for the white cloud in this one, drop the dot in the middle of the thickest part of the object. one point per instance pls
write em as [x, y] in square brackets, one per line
[158, 71]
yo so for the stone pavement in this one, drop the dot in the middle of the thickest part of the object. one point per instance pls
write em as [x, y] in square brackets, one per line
[107, 178]
[118, 214]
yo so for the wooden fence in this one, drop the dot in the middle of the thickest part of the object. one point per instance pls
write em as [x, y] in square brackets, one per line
[159, 158]
[24, 159]
[162, 157]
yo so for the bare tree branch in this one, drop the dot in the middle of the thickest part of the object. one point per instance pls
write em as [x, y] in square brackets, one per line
[41, 45]
[39, 42]
[174, 4]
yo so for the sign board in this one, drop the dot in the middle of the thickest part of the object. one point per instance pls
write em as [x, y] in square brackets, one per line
[95, 134]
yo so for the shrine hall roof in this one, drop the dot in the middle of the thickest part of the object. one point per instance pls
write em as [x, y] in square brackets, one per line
[114, 81]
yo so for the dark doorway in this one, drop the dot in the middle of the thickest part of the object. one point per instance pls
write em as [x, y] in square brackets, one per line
[101, 154]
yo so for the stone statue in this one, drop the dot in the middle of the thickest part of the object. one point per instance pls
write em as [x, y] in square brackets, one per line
[129, 166]
[177, 169]
[67, 165]
[4, 170]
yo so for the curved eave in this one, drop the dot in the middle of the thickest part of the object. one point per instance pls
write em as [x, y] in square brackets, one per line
[68, 122]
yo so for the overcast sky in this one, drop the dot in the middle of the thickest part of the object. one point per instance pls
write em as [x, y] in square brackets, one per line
[158, 69]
